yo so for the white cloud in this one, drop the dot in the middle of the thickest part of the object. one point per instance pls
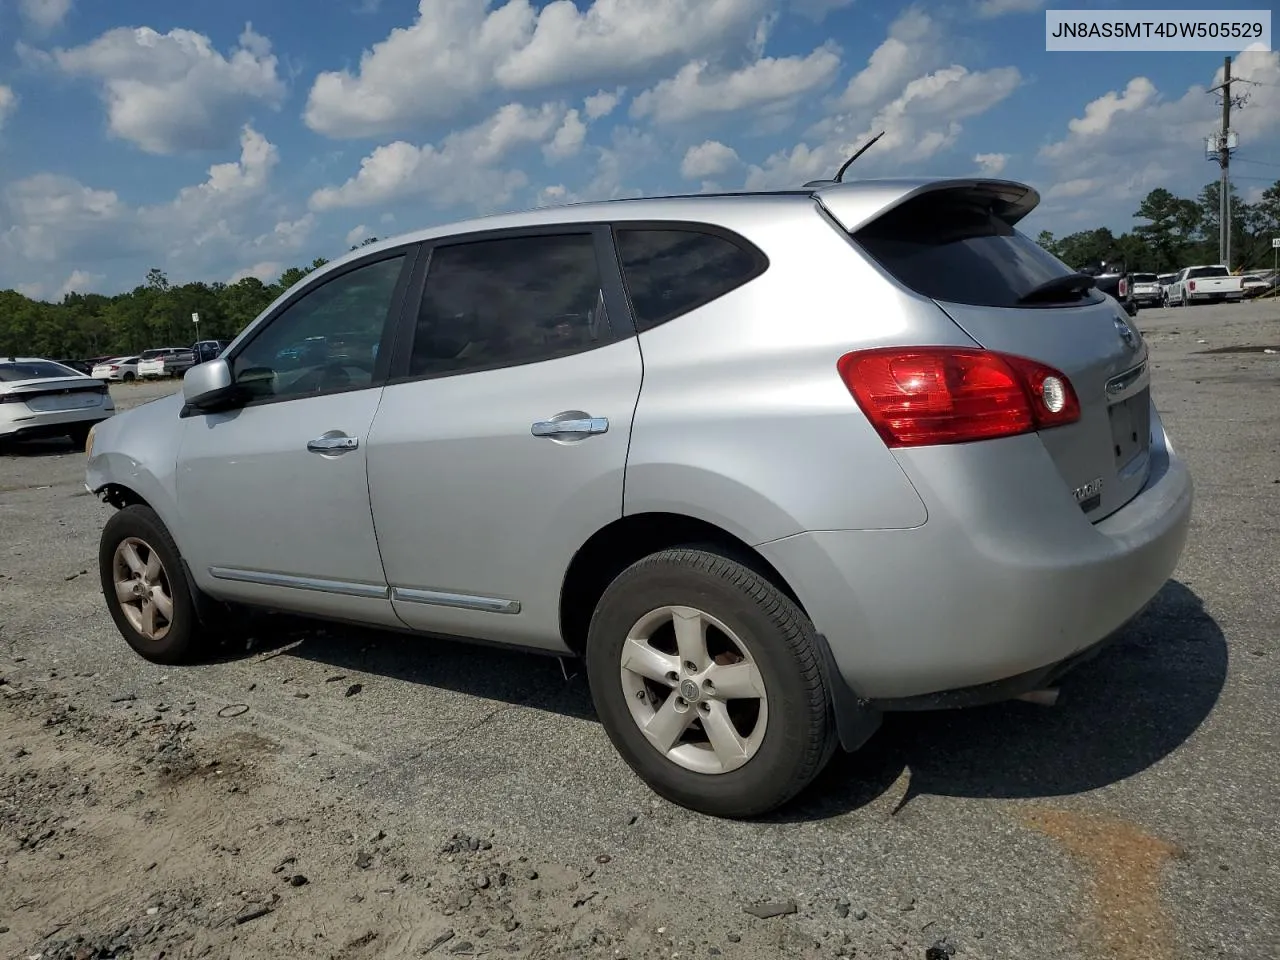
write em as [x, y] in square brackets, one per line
[552, 195]
[991, 163]
[697, 90]
[817, 10]
[44, 15]
[80, 281]
[999, 8]
[458, 50]
[1127, 142]
[356, 234]
[8, 103]
[922, 120]
[268, 272]
[462, 169]
[568, 139]
[708, 159]
[173, 92]
[914, 45]
[206, 227]
[601, 104]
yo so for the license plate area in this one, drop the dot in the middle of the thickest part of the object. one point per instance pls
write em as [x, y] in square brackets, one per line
[1130, 428]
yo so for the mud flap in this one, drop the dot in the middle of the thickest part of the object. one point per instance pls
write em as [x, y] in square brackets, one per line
[856, 719]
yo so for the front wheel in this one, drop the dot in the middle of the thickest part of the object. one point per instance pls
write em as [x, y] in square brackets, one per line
[146, 589]
[707, 680]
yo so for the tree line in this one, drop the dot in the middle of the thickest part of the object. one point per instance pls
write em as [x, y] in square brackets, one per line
[1175, 232]
[1179, 232]
[155, 314]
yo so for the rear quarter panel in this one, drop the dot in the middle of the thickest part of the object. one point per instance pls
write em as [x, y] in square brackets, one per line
[743, 420]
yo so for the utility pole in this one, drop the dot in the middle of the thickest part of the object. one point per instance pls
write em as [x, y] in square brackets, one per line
[1220, 147]
[1224, 160]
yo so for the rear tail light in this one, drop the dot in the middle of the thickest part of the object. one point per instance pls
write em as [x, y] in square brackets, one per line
[920, 396]
[1191, 285]
[1124, 287]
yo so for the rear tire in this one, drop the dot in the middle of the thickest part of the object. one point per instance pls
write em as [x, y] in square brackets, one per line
[741, 685]
[144, 583]
[128, 378]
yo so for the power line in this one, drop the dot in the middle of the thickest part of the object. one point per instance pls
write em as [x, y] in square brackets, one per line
[1260, 163]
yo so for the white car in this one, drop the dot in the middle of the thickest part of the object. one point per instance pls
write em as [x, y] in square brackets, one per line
[40, 398]
[151, 364]
[118, 368]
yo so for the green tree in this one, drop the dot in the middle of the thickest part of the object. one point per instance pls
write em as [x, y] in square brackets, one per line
[1170, 230]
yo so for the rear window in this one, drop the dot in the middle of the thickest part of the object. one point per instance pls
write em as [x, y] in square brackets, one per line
[34, 370]
[670, 270]
[954, 249]
[1200, 273]
[1145, 278]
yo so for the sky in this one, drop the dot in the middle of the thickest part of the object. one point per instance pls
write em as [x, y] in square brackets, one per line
[236, 138]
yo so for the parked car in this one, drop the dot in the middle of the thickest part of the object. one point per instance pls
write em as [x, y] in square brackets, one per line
[1166, 279]
[1256, 285]
[659, 434]
[1113, 280]
[179, 362]
[153, 364]
[206, 350]
[79, 366]
[1145, 289]
[117, 368]
[42, 398]
[1204, 284]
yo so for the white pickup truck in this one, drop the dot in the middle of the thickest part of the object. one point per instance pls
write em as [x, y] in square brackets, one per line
[1204, 284]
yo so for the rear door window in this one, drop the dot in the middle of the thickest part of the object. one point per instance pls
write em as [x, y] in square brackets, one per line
[670, 270]
[509, 301]
[957, 250]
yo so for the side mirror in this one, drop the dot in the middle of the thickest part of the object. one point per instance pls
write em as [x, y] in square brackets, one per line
[207, 383]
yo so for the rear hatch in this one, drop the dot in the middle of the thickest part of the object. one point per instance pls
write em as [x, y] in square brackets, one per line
[955, 242]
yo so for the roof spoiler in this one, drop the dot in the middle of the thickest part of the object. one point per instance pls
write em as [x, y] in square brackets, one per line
[853, 205]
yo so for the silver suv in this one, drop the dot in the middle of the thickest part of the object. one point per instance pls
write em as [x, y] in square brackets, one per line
[774, 464]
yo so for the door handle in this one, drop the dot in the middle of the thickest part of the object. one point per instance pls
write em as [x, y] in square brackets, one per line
[330, 444]
[556, 428]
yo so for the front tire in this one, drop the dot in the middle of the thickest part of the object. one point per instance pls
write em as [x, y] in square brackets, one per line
[145, 586]
[707, 680]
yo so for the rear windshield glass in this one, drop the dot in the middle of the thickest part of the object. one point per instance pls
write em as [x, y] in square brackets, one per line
[955, 249]
[1200, 273]
[34, 370]
[1145, 278]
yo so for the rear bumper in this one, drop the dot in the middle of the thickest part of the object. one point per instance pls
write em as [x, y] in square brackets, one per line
[1004, 584]
[52, 424]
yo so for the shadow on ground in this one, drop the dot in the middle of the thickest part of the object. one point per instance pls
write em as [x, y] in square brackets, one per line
[1118, 714]
[42, 447]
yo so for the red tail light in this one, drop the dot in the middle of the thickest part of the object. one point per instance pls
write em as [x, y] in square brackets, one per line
[1191, 285]
[1124, 287]
[919, 396]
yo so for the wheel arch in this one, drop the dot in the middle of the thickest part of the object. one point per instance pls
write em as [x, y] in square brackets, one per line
[616, 546]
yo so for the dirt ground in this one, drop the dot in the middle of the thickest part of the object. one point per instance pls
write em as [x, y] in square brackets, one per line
[336, 794]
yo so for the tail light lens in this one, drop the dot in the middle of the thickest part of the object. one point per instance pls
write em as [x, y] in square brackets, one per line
[921, 396]
[1191, 285]
[1124, 287]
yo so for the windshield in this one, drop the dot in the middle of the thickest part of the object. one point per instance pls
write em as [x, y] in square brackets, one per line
[33, 370]
[1200, 273]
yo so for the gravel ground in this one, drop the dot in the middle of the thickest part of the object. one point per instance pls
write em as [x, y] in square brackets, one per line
[353, 795]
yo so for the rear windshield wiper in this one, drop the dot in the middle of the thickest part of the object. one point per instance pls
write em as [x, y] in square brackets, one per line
[1059, 288]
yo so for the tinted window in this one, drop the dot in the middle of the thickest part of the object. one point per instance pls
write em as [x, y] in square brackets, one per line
[956, 250]
[325, 341]
[510, 301]
[672, 271]
[33, 370]
[1144, 278]
[1203, 272]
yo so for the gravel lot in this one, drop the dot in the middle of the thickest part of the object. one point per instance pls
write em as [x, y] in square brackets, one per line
[351, 795]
